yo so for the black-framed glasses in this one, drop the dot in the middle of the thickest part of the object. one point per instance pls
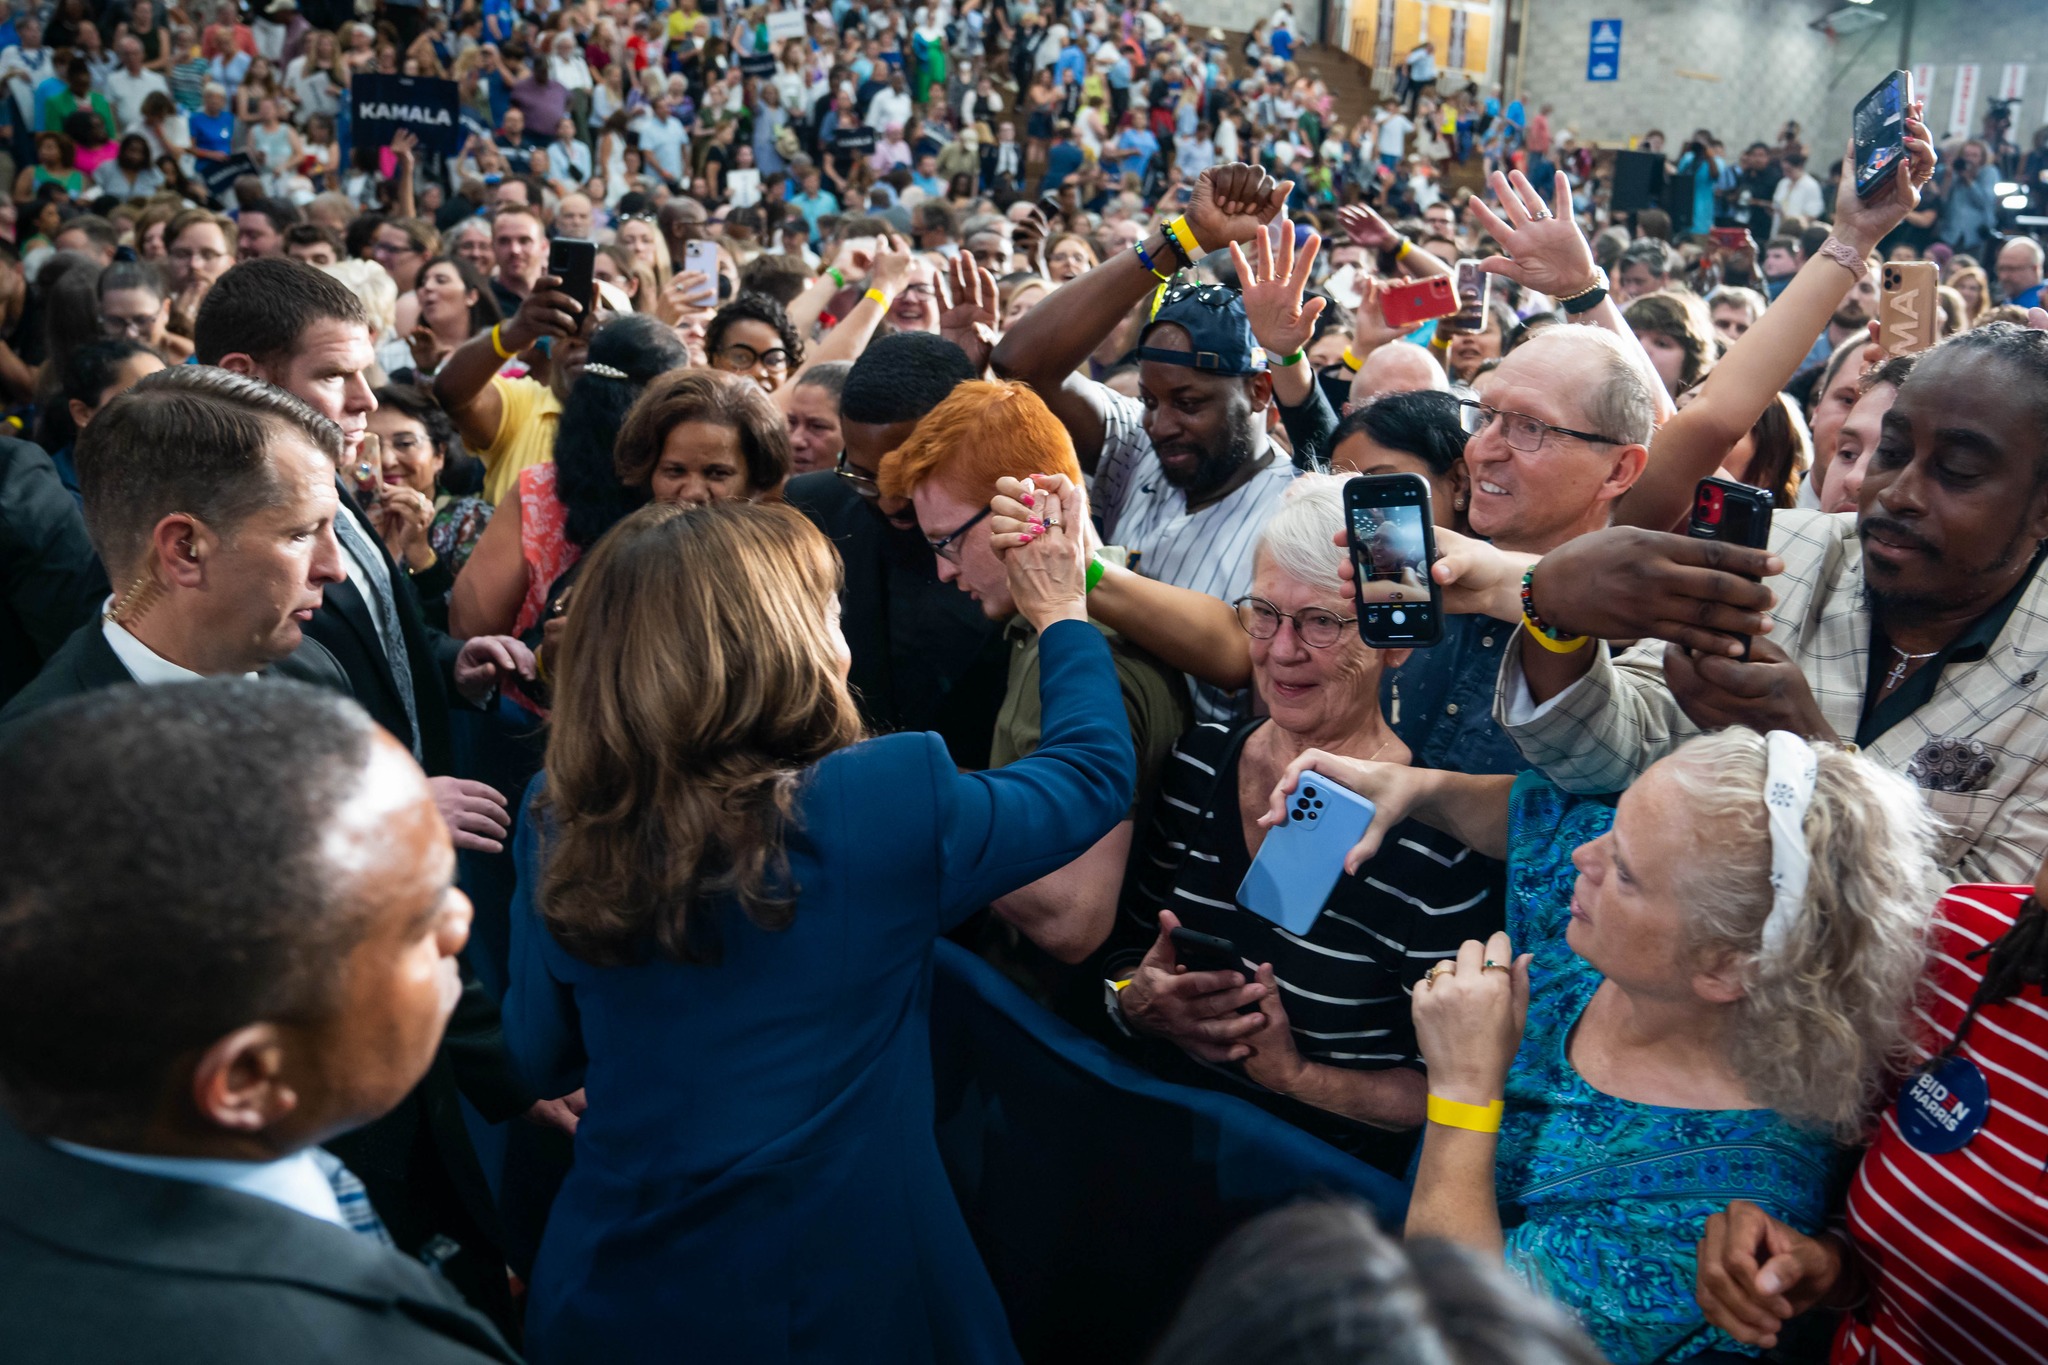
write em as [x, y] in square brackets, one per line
[862, 481]
[947, 547]
[1317, 628]
[740, 357]
[1523, 432]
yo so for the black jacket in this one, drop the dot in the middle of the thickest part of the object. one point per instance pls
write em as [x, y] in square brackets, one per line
[51, 582]
[87, 663]
[343, 625]
[100, 1265]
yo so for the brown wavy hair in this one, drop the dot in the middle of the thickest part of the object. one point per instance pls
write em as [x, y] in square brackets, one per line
[697, 681]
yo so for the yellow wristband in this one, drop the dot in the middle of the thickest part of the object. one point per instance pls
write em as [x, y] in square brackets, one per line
[1406, 247]
[1474, 1118]
[879, 297]
[1351, 362]
[1565, 646]
[1185, 235]
[1119, 985]
[497, 344]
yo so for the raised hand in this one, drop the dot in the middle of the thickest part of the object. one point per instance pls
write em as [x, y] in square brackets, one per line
[1272, 293]
[968, 317]
[1369, 328]
[1232, 203]
[1546, 251]
[892, 265]
[1863, 225]
[1367, 228]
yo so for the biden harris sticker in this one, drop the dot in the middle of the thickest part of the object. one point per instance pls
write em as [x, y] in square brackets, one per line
[1943, 1106]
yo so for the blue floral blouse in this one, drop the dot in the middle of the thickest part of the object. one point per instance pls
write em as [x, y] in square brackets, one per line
[1604, 1200]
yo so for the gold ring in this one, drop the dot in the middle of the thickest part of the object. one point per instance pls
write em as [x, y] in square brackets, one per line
[1438, 970]
[1491, 966]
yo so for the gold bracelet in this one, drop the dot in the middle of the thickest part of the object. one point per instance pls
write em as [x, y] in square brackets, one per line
[497, 343]
[879, 297]
[1569, 645]
[1473, 1118]
[1185, 236]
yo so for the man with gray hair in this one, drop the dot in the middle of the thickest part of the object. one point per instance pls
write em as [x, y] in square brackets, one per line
[1646, 267]
[2019, 272]
[210, 499]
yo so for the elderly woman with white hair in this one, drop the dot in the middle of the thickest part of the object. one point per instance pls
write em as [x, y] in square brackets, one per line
[1715, 988]
[1327, 1042]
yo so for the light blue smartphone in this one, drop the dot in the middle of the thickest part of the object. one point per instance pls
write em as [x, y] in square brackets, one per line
[1300, 861]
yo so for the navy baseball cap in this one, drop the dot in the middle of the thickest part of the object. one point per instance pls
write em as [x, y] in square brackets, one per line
[1213, 317]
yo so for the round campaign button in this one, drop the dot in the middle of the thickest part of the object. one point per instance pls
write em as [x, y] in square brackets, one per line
[1943, 1106]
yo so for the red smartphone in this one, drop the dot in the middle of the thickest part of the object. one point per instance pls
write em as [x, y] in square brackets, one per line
[1732, 238]
[1416, 302]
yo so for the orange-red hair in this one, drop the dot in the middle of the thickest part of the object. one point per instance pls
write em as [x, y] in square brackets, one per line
[982, 432]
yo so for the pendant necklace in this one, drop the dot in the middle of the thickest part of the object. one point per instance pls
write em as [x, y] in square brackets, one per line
[1898, 673]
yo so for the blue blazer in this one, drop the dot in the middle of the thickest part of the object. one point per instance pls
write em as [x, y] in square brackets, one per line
[757, 1178]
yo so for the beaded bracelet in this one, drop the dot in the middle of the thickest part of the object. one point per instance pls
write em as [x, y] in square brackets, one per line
[1145, 260]
[1540, 630]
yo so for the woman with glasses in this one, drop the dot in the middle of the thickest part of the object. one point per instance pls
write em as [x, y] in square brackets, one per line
[1341, 1060]
[429, 514]
[752, 336]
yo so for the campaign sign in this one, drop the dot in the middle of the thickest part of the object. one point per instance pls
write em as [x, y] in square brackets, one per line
[1603, 52]
[220, 176]
[380, 105]
[761, 65]
[1943, 1106]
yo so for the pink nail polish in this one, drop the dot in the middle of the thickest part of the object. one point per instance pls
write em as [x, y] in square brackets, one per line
[1028, 500]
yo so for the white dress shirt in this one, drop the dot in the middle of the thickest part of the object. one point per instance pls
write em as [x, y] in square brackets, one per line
[296, 1181]
[144, 664]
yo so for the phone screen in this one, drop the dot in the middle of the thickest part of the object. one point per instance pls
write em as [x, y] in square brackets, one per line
[1475, 291]
[1392, 558]
[1881, 129]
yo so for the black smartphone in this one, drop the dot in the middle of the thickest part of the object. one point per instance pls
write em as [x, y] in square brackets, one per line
[1393, 543]
[1880, 127]
[573, 261]
[1732, 512]
[1200, 952]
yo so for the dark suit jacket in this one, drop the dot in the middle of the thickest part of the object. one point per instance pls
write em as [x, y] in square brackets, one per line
[417, 1161]
[343, 625]
[51, 582]
[105, 1265]
[87, 663]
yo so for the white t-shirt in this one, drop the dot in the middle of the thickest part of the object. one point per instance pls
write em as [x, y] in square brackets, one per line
[1799, 197]
[38, 66]
[126, 93]
[663, 141]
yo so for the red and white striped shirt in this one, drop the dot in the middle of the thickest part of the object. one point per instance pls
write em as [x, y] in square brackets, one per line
[1956, 1246]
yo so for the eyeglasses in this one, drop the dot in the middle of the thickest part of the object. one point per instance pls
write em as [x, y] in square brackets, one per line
[115, 325]
[948, 547]
[1523, 432]
[862, 481]
[917, 291]
[1318, 629]
[381, 249]
[738, 357]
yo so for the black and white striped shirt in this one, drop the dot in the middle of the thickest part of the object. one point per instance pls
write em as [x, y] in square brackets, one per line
[1208, 550]
[1346, 984]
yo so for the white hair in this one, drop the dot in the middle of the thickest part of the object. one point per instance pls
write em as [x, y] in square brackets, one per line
[1299, 539]
[1824, 1022]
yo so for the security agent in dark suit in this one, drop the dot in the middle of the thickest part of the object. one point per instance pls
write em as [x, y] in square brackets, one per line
[256, 953]
[301, 331]
[208, 496]
[51, 583]
[291, 326]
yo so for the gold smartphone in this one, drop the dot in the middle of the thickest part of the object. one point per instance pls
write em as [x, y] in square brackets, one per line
[1907, 307]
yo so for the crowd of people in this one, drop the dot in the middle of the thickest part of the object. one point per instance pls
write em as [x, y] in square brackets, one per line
[487, 755]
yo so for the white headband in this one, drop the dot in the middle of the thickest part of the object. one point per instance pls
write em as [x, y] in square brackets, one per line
[1789, 772]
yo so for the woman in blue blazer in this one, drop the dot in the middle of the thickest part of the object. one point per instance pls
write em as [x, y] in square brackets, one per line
[724, 933]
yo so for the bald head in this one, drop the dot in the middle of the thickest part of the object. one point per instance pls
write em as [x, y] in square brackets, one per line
[1397, 368]
[2019, 267]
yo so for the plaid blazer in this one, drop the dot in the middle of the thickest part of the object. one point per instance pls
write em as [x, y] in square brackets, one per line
[1978, 748]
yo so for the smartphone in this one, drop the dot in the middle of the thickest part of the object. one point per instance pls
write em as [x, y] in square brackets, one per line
[1732, 238]
[1416, 302]
[1880, 130]
[702, 257]
[1475, 292]
[1908, 307]
[1200, 952]
[1300, 861]
[1732, 512]
[1393, 543]
[573, 261]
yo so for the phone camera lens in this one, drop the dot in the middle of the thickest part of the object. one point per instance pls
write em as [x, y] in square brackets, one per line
[1309, 792]
[1297, 815]
[1317, 804]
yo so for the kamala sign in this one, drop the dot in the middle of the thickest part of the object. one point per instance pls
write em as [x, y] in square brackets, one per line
[381, 105]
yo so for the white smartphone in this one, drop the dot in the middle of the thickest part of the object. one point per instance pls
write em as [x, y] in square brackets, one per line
[702, 257]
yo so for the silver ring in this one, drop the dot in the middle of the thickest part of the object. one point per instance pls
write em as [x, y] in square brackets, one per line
[1542, 214]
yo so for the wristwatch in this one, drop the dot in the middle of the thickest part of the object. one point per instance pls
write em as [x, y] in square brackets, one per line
[1589, 298]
